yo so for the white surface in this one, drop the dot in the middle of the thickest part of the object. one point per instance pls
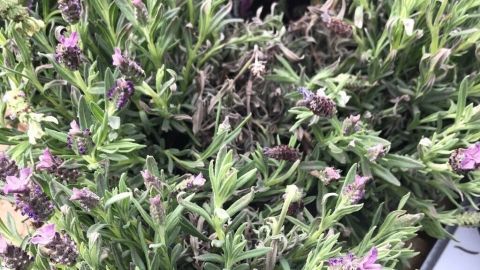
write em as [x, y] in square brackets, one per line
[454, 258]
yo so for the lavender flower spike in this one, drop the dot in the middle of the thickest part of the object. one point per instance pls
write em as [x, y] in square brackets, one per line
[13, 257]
[29, 197]
[319, 104]
[7, 167]
[120, 92]
[127, 66]
[356, 190]
[53, 164]
[352, 262]
[85, 197]
[150, 180]
[18, 184]
[282, 152]
[157, 210]
[71, 10]
[59, 247]
[68, 52]
[141, 12]
[78, 139]
[464, 160]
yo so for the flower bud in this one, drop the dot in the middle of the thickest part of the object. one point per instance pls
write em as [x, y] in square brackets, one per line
[7, 167]
[120, 93]
[68, 52]
[282, 152]
[85, 197]
[71, 10]
[157, 210]
[13, 257]
[59, 247]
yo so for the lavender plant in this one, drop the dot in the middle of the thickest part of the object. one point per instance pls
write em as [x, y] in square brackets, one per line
[207, 134]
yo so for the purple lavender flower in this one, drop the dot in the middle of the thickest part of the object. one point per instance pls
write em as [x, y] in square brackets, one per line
[85, 197]
[356, 190]
[13, 257]
[150, 180]
[463, 160]
[18, 184]
[368, 262]
[71, 10]
[47, 161]
[7, 167]
[197, 181]
[126, 65]
[330, 174]
[319, 104]
[192, 183]
[59, 247]
[68, 52]
[351, 124]
[141, 12]
[78, 139]
[44, 235]
[375, 152]
[121, 92]
[157, 210]
[282, 152]
[352, 262]
[53, 164]
[29, 197]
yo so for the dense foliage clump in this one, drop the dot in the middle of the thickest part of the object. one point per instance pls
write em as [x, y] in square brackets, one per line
[208, 134]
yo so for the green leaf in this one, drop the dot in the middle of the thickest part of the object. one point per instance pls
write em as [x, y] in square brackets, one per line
[210, 257]
[398, 161]
[152, 166]
[84, 114]
[385, 174]
[241, 203]
[60, 136]
[254, 253]
[462, 99]
[192, 230]
[194, 208]
[119, 197]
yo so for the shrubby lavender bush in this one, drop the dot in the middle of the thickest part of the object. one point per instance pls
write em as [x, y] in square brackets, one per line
[184, 134]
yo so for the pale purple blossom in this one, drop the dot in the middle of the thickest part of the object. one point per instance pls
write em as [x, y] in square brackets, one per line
[375, 152]
[85, 197]
[78, 139]
[198, 180]
[47, 161]
[44, 235]
[356, 190]
[71, 41]
[352, 262]
[351, 124]
[60, 247]
[150, 180]
[368, 262]
[127, 66]
[466, 159]
[117, 57]
[18, 184]
[68, 52]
